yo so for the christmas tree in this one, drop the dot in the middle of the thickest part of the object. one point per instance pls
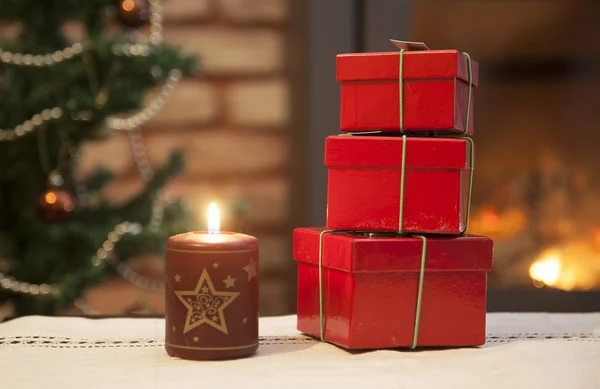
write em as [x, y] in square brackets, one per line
[58, 234]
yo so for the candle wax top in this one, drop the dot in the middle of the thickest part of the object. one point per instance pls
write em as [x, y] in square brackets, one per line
[203, 240]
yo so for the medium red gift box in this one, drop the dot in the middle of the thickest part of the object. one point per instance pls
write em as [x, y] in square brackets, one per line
[365, 177]
[437, 95]
[370, 289]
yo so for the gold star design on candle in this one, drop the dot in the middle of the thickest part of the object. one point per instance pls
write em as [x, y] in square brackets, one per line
[177, 278]
[206, 305]
[229, 282]
[215, 265]
[196, 339]
[251, 269]
[245, 320]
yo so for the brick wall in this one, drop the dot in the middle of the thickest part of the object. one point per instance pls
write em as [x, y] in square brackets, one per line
[231, 123]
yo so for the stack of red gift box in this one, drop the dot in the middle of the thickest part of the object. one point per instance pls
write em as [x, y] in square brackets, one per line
[394, 266]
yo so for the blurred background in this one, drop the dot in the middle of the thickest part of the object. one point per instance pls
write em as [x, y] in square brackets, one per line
[536, 120]
[252, 126]
[232, 123]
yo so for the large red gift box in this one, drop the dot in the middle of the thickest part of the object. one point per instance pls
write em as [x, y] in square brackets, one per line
[369, 190]
[368, 289]
[437, 95]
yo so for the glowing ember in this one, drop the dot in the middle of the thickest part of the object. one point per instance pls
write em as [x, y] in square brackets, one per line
[546, 270]
[490, 216]
[596, 237]
[574, 266]
[490, 222]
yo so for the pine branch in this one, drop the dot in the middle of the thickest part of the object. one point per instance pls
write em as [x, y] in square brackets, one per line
[100, 83]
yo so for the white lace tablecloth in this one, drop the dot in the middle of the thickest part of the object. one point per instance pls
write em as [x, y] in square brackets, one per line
[523, 351]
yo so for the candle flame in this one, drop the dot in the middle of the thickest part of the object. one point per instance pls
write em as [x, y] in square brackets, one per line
[214, 221]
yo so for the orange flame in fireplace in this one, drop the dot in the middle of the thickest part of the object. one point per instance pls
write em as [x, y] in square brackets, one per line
[546, 270]
[569, 267]
[488, 221]
[572, 265]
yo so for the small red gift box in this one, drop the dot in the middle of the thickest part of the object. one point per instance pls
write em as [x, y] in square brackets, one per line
[436, 91]
[366, 290]
[369, 189]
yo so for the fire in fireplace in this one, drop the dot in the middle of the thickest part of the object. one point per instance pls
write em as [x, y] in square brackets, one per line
[542, 222]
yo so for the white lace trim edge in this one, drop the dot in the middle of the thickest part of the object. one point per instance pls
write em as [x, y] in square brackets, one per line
[62, 342]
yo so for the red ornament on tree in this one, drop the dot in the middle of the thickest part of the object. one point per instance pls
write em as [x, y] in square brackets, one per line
[133, 13]
[56, 205]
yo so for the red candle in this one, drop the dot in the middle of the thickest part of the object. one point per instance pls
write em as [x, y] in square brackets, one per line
[211, 292]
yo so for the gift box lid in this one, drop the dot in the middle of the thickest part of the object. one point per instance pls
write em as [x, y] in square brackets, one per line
[416, 65]
[452, 153]
[358, 253]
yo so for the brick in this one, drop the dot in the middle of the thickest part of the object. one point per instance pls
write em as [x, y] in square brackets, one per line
[74, 31]
[181, 10]
[220, 152]
[228, 51]
[255, 10]
[121, 190]
[192, 102]
[4, 265]
[116, 296]
[114, 154]
[266, 200]
[508, 29]
[9, 31]
[258, 103]
[7, 310]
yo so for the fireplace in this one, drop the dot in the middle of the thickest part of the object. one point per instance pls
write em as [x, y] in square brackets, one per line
[536, 190]
[537, 186]
[545, 224]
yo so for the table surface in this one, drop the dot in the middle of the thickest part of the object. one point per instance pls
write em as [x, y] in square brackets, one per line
[522, 351]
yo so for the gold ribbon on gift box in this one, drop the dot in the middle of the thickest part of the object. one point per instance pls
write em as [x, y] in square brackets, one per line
[420, 46]
[373, 234]
[406, 45]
